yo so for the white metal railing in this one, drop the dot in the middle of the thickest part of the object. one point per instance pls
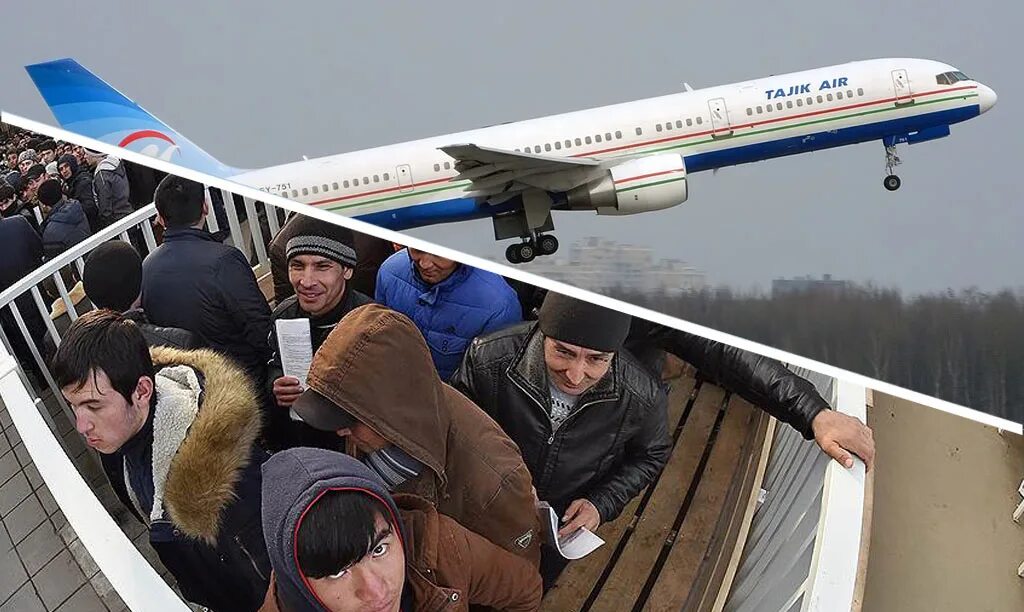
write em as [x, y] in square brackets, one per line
[135, 580]
[804, 543]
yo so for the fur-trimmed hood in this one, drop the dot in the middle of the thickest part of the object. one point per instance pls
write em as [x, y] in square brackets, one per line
[217, 441]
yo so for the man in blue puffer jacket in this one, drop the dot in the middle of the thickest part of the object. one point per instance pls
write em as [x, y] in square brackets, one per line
[450, 303]
[65, 224]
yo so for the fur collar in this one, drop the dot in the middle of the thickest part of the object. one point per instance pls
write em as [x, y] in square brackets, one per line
[209, 462]
[58, 308]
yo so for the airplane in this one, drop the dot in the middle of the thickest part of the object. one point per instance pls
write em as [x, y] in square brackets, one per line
[623, 159]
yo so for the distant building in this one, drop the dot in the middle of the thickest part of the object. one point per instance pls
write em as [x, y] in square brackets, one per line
[806, 284]
[600, 265]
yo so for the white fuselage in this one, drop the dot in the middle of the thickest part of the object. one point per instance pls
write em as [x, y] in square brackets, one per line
[414, 183]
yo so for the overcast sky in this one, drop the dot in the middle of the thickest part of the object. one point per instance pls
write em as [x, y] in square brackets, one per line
[284, 79]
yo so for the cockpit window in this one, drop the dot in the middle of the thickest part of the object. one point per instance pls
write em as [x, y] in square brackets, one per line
[948, 78]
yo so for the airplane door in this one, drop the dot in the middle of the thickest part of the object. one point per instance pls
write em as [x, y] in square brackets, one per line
[404, 174]
[719, 118]
[901, 86]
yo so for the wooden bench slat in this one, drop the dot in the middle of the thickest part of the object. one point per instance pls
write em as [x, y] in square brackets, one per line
[638, 558]
[691, 543]
[726, 545]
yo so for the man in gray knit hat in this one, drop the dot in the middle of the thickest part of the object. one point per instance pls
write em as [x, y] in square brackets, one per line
[321, 260]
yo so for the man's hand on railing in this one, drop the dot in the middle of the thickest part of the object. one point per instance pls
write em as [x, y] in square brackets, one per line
[840, 434]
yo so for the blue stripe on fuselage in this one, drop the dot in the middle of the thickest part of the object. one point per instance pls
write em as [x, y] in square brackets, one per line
[463, 209]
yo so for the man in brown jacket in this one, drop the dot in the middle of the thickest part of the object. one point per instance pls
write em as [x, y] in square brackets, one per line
[373, 380]
[339, 541]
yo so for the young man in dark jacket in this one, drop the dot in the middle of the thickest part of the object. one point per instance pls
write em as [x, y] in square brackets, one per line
[112, 278]
[176, 431]
[371, 251]
[11, 205]
[321, 260]
[450, 302]
[65, 224]
[78, 185]
[589, 420]
[340, 542]
[194, 282]
[373, 381]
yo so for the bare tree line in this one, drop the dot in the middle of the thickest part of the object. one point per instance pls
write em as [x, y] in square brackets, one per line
[965, 347]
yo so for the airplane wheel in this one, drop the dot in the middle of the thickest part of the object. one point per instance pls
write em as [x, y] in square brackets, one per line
[526, 253]
[548, 245]
[892, 182]
[512, 254]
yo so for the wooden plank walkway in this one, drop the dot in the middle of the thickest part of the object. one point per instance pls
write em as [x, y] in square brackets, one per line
[679, 533]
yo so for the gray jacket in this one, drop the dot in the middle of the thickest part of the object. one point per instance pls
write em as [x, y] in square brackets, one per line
[110, 186]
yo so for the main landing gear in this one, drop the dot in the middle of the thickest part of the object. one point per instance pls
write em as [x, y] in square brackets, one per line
[891, 181]
[530, 225]
[527, 250]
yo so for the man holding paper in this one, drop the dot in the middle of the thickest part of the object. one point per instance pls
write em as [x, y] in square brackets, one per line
[590, 421]
[321, 260]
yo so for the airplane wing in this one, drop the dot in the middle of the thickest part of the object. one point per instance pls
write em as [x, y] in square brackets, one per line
[499, 174]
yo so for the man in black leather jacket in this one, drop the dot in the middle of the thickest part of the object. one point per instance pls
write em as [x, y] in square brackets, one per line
[593, 433]
[763, 382]
[589, 420]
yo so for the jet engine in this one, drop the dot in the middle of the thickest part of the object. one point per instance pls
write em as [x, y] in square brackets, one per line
[639, 185]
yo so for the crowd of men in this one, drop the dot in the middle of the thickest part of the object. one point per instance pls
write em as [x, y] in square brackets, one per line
[404, 470]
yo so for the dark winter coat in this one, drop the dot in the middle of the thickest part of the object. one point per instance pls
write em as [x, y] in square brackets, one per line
[79, 187]
[206, 526]
[64, 227]
[193, 282]
[612, 445]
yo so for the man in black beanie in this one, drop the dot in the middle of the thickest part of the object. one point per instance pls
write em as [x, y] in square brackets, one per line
[78, 185]
[112, 278]
[590, 421]
[321, 259]
[65, 224]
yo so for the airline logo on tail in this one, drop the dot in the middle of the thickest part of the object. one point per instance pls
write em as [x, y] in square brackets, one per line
[85, 104]
[152, 149]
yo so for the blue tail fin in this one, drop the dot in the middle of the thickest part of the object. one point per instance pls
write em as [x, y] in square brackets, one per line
[83, 103]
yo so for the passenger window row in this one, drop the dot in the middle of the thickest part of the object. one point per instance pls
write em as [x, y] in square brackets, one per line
[338, 185]
[569, 143]
[804, 101]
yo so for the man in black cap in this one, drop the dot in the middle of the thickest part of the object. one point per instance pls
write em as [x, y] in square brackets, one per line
[112, 278]
[320, 260]
[590, 421]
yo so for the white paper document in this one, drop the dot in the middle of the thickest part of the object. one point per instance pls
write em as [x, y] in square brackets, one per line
[295, 347]
[576, 545]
